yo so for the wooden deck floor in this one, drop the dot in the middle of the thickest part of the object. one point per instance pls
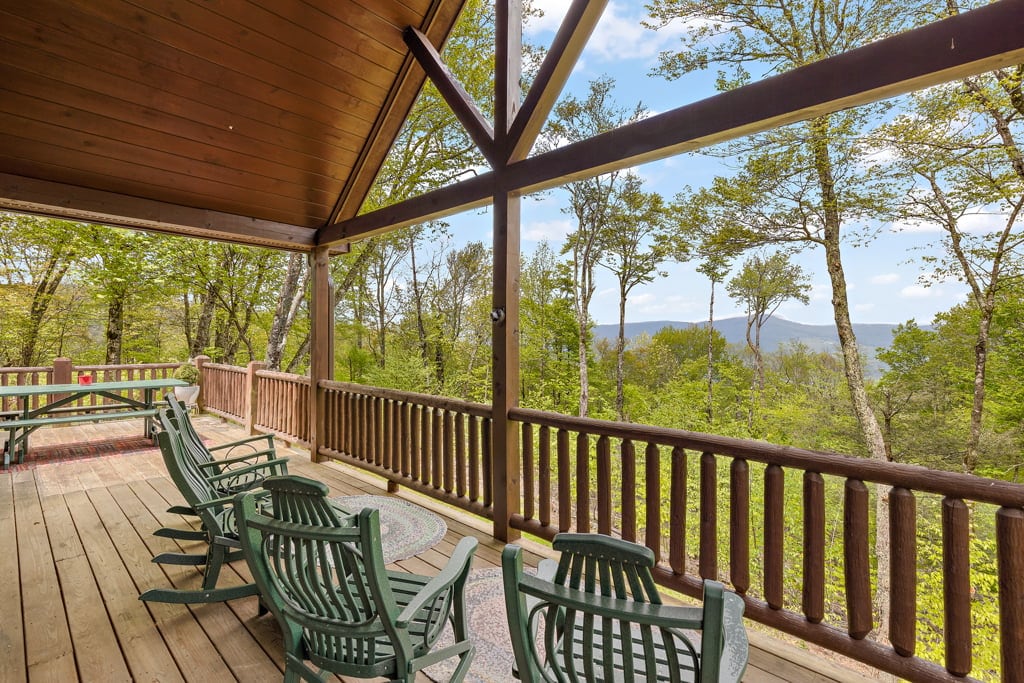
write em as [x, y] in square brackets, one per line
[75, 548]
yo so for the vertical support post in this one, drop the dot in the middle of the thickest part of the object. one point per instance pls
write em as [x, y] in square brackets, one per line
[251, 399]
[321, 341]
[200, 361]
[61, 371]
[505, 314]
[61, 375]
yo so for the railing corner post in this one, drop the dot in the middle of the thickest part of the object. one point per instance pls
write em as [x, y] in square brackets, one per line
[61, 371]
[200, 361]
[251, 394]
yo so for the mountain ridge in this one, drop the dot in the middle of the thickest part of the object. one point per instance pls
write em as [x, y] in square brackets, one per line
[774, 333]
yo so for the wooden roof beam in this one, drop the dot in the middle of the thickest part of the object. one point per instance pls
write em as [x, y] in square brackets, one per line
[69, 202]
[572, 37]
[454, 94]
[981, 40]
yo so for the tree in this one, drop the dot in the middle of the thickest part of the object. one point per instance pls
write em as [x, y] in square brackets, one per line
[805, 183]
[590, 203]
[289, 300]
[36, 254]
[763, 284]
[635, 246]
[958, 149]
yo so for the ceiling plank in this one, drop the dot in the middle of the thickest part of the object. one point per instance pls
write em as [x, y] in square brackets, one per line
[43, 198]
[981, 40]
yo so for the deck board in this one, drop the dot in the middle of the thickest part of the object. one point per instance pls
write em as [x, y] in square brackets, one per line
[76, 544]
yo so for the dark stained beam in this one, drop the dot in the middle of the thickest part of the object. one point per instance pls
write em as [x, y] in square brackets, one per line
[572, 37]
[44, 198]
[451, 90]
[468, 194]
[971, 43]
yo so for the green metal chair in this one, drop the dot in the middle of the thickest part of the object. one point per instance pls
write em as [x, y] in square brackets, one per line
[323, 577]
[596, 615]
[216, 513]
[233, 473]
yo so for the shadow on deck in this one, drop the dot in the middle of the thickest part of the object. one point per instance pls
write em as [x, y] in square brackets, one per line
[76, 542]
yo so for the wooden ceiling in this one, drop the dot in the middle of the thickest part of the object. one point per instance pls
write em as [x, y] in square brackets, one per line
[256, 121]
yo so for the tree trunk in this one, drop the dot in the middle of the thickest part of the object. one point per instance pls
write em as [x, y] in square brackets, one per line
[56, 267]
[204, 323]
[620, 352]
[870, 429]
[115, 330]
[288, 303]
[711, 356]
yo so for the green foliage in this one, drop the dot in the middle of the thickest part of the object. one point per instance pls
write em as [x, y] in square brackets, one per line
[187, 372]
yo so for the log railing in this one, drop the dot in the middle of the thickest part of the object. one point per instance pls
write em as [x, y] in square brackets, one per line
[281, 405]
[794, 531]
[64, 371]
[438, 446]
[703, 503]
[225, 390]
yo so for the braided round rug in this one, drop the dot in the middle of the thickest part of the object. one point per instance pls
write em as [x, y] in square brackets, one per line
[406, 529]
[488, 628]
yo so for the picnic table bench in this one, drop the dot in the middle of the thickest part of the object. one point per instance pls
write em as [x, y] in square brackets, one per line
[121, 402]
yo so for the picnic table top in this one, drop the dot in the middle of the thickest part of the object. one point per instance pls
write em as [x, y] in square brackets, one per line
[37, 389]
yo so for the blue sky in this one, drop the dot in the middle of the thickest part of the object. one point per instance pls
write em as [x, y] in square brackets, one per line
[883, 278]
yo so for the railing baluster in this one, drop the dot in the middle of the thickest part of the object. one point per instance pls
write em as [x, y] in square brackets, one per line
[474, 458]
[604, 485]
[528, 470]
[582, 483]
[544, 475]
[460, 455]
[677, 513]
[488, 460]
[774, 501]
[564, 482]
[415, 434]
[903, 571]
[858, 574]
[1009, 545]
[628, 490]
[652, 498]
[956, 568]
[814, 547]
[739, 525]
[708, 516]
[426, 443]
[437, 448]
[449, 451]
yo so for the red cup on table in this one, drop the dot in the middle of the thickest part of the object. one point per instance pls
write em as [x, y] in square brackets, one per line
[85, 379]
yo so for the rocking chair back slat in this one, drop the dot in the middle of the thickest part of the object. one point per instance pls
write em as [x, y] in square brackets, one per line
[602, 619]
[322, 574]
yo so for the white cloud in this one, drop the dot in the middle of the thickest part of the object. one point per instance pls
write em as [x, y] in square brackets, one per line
[619, 35]
[864, 308]
[885, 279]
[920, 292]
[551, 231]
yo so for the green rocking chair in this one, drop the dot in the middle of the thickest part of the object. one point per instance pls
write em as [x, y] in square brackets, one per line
[215, 511]
[233, 473]
[596, 616]
[323, 577]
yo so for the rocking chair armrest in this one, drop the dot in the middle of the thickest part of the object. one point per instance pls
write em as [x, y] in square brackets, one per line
[271, 467]
[642, 613]
[457, 566]
[228, 500]
[245, 458]
[269, 438]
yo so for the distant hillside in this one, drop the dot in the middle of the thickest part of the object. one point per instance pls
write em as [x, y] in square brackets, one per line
[776, 332]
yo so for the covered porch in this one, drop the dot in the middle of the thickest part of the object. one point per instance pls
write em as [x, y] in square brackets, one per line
[75, 548]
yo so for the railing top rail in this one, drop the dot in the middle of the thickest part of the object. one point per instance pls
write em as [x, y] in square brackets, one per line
[226, 368]
[285, 376]
[453, 404]
[12, 370]
[915, 477]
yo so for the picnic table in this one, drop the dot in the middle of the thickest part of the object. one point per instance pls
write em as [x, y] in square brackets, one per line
[121, 400]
